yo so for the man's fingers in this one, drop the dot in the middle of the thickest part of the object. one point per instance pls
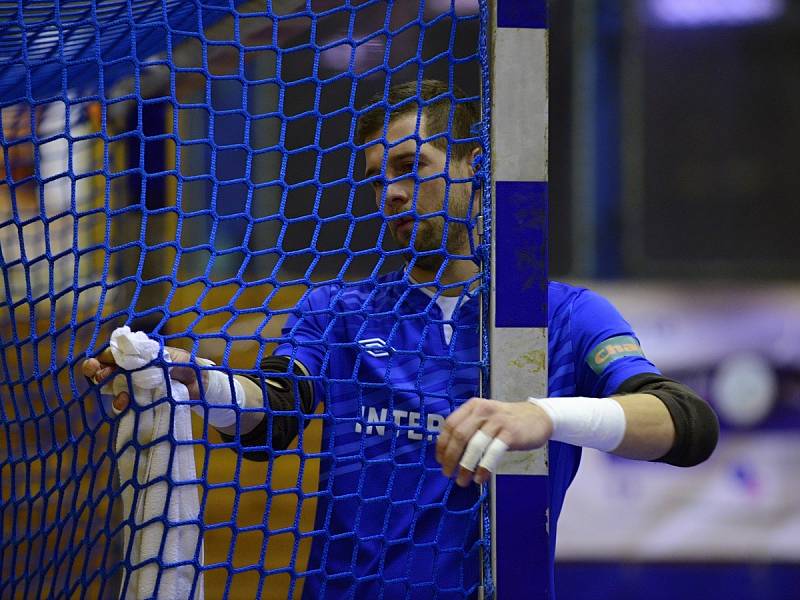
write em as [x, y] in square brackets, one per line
[106, 356]
[99, 367]
[477, 445]
[482, 455]
[449, 430]
[106, 373]
[90, 367]
[121, 401]
[464, 477]
[480, 472]
[491, 458]
[478, 440]
[456, 443]
[97, 371]
[186, 375]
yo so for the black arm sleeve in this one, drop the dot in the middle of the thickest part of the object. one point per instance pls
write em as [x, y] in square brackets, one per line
[696, 424]
[281, 395]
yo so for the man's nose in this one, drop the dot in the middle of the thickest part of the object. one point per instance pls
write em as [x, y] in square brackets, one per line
[398, 196]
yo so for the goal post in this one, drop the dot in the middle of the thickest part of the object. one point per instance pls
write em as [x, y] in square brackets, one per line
[518, 316]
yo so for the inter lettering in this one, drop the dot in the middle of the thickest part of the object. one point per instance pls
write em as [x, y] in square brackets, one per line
[406, 422]
[373, 417]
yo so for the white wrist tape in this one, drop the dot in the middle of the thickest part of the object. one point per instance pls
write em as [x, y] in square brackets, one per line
[590, 422]
[217, 395]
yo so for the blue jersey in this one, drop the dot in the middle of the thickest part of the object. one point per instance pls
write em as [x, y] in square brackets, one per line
[389, 524]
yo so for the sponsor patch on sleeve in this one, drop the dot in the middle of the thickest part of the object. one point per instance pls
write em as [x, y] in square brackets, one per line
[611, 349]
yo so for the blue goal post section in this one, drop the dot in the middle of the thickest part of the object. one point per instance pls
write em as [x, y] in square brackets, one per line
[356, 187]
[518, 313]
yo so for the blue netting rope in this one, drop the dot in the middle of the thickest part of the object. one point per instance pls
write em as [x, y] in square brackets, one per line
[190, 169]
[485, 173]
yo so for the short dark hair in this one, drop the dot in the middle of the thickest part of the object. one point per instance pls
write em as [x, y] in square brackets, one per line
[436, 113]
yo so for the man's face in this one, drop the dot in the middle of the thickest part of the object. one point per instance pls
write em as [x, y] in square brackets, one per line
[410, 215]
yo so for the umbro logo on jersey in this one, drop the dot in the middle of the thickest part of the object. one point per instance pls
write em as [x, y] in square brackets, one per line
[375, 347]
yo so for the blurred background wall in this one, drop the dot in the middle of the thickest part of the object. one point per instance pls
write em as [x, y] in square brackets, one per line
[675, 134]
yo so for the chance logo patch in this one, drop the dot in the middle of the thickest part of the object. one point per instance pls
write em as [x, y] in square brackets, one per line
[611, 349]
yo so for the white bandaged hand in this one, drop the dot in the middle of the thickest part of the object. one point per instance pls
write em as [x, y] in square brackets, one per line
[218, 395]
[132, 351]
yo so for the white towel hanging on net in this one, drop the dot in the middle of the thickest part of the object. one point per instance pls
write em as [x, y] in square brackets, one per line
[163, 546]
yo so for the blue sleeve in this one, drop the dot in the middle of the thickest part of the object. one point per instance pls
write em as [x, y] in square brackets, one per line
[607, 351]
[305, 336]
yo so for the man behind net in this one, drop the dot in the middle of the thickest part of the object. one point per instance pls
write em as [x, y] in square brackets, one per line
[399, 358]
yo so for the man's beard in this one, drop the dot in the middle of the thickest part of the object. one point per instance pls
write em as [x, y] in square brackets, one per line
[430, 234]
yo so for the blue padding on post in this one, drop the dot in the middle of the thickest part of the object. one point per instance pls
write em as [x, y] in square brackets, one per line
[523, 566]
[521, 254]
[526, 14]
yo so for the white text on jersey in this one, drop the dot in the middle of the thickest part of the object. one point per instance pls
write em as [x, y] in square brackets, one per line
[406, 422]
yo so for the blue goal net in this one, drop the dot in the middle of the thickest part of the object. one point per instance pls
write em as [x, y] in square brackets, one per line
[291, 192]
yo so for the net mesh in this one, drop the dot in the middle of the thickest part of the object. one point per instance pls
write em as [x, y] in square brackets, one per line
[190, 169]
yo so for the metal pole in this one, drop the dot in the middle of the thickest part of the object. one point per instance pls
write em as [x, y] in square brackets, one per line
[518, 305]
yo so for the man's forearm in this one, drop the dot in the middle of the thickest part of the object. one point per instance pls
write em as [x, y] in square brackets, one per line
[650, 417]
[695, 428]
[278, 391]
[649, 431]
